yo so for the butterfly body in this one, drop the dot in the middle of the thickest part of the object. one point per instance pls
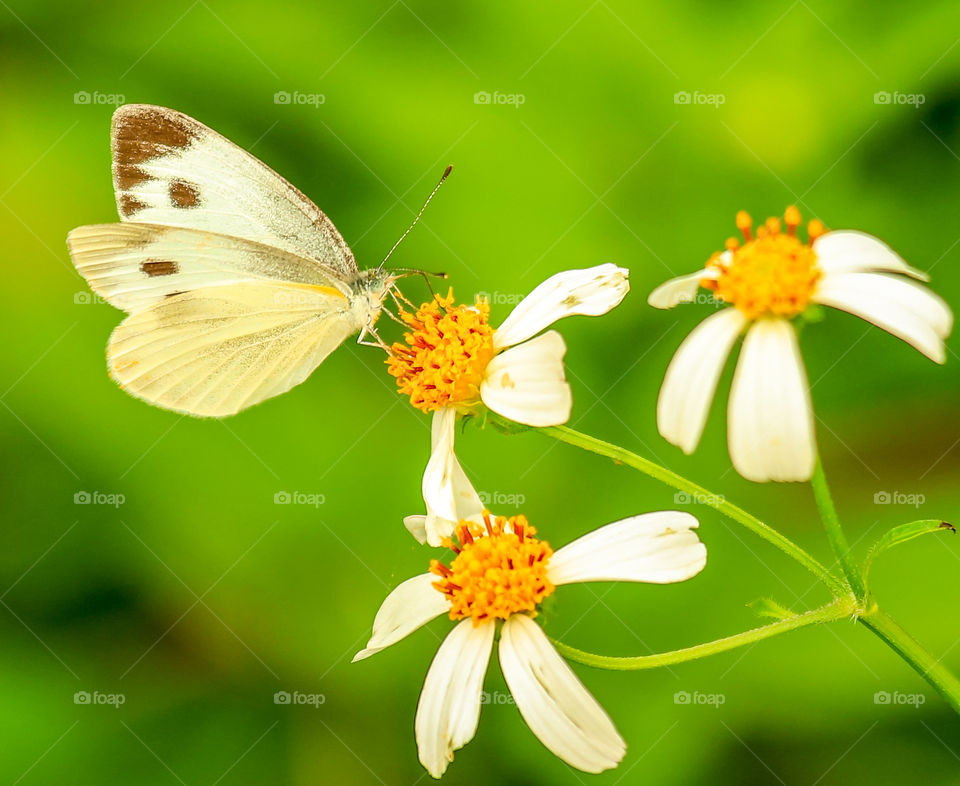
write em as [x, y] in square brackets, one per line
[236, 285]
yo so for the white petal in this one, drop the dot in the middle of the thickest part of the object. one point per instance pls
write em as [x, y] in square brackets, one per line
[908, 310]
[410, 606]
[659, 548]
[682, 289]
[526, 383]
[691, 379]
[770, 420]
[448, 494]
[848, 251]
[449, 708]
[591, 292]
[416, 526]
[553, 701]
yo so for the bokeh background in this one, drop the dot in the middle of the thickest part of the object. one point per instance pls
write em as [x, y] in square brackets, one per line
[199, 597]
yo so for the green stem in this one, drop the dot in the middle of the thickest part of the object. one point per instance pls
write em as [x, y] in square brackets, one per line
[928, 667]
[838, 609]
[831, 523]
[699, 494]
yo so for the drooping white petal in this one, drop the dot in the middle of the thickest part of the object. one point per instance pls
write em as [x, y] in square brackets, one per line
[553, 701]
[682, 289]
[447, 492]
[659, 548]
[449, 708]
[526, 383]
[769, 419]
[908, 310]
[692, 376]
[410, 606]
[849, 251]
[590, 292]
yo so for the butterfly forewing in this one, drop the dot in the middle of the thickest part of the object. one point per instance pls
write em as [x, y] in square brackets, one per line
[171, 169]
[134, 266]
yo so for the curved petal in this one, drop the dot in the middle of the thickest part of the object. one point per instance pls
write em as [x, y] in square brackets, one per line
[416, 526]
[591, 292]
[449, 708]
[769, 419]
[448, 494]
[692, 376]
[907, 310]
[682, 289]
[553, 701]
[659, 548]
[848, 251]
[526, 383]
[410, 606]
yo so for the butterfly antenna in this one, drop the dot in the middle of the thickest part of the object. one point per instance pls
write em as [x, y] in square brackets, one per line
[444, 176]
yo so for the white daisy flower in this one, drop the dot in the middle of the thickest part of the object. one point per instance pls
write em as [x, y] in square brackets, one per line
[770, 279]
[453, 362]
[501, 572]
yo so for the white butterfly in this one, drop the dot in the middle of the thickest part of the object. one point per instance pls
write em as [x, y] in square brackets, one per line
[237, 286]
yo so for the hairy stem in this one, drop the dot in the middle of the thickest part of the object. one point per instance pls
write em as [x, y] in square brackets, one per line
[837, 609]
[698, 494]
[928, 667]
[831, 523]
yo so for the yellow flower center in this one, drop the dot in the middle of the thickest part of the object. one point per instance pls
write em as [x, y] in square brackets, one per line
[500, 569]
[773, 273]
[442, 359]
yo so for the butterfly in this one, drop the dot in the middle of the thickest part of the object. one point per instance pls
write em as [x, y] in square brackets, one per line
[236, 285]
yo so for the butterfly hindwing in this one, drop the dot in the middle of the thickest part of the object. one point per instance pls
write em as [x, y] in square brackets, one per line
[171, 169]
[135, 265]
[217, 350]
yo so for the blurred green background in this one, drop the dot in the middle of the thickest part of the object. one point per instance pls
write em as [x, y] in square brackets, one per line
[199, 598]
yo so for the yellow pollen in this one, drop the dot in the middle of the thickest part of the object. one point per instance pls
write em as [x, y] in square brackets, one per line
[442, 358]
[500, 569]
[770, 274]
